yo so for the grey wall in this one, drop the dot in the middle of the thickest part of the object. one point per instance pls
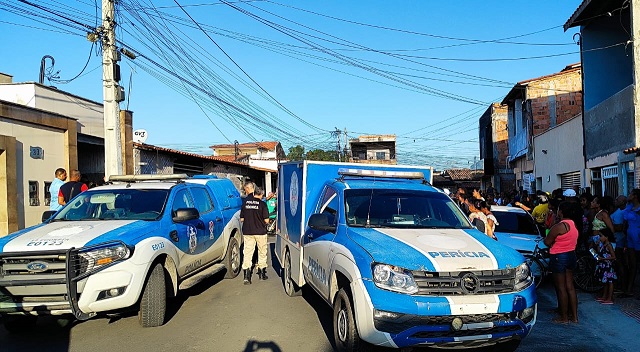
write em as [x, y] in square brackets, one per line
[609, 127]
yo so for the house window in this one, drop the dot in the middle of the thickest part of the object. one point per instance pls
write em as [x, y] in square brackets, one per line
[381, 155]
[47, 194]
[34, 198]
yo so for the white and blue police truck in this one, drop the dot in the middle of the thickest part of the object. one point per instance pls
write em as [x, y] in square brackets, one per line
[130, 244]
[397, 260]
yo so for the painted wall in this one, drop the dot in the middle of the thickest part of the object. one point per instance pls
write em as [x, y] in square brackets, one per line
[612, 65]
[609, 126]
[563, 146]
[52, 141]
[88, 113]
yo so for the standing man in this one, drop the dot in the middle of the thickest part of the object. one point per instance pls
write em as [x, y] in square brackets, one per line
[255, 217]
[71, 188]
[54, 188]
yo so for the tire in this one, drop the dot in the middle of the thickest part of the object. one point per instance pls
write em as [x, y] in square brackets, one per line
[584, 276]
[290, 287]
[537, 270]
[345, 331]
[232, 259]
[19, 324]
[153, 303]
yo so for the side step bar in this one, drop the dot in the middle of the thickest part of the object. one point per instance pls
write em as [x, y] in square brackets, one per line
[206, 273]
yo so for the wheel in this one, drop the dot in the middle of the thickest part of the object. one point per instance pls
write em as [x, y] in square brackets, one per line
[153, 303]
[584, 276]
[290, 287]
[345, 331]
[537, 270]
[19, 324]
[232, 259]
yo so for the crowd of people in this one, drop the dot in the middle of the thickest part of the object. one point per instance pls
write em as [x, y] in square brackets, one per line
[572, 221]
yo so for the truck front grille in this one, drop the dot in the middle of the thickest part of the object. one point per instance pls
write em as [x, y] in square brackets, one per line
[36, 274]
[464, 282]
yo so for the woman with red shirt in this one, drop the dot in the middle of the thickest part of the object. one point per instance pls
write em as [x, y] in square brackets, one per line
[562, 240]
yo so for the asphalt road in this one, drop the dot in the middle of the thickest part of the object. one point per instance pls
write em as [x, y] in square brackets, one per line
[225, 315]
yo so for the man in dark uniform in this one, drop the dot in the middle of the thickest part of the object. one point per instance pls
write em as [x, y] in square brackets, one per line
[255, 217]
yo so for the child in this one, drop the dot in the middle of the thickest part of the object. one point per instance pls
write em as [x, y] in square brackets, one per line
[605, 267]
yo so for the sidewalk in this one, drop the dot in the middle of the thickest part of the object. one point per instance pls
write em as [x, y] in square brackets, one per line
[601, 328]
[629, 306]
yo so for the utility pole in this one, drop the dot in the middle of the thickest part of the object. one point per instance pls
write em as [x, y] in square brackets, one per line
[112, 94]
[346, 146]
[337, 134]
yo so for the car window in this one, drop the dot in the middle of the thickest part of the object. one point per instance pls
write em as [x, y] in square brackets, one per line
[515, 222]
[402, 208]
[329, 205]
[182, 200]
[202, 200]
[115, 204]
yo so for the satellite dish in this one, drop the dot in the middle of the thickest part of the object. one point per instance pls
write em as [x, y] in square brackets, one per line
[140, 136]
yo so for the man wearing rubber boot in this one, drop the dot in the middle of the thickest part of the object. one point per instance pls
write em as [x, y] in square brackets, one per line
[255, 217]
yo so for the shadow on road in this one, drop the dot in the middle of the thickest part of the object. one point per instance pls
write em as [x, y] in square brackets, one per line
[55, 331]
[266, 346]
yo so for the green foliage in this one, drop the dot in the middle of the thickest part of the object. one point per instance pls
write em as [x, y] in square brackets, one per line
[297, 153]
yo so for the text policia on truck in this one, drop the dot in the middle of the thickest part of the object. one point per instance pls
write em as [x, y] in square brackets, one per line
[397, 260]
[127, 245]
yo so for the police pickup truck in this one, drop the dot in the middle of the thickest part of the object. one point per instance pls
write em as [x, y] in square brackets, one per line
[397, 260]
[132, 243]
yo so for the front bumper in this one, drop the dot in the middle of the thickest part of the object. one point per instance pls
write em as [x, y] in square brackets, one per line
[62, 289]
[456, 331]
[392, 319]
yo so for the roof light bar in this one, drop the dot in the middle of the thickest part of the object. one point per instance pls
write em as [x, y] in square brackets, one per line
[381, 173]
[134, 178]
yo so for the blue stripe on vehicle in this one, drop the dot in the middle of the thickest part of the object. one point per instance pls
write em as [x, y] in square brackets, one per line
[388, 250]
[130, 234]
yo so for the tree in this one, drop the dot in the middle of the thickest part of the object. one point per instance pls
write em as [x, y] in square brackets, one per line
[296, 153]
[321, 155]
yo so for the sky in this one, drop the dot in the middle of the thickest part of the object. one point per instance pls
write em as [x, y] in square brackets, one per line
[216, 71]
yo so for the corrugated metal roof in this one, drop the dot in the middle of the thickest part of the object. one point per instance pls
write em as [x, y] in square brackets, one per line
[180, 152]
[269, 145]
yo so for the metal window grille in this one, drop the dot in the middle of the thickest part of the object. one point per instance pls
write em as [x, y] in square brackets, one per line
[569, 180]
[610, 181]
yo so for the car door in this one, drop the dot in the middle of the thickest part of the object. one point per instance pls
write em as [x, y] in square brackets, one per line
[318, 252]
[213, 221]
[188, 235]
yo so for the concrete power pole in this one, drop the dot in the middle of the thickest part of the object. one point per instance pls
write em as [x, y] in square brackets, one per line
[111, 92]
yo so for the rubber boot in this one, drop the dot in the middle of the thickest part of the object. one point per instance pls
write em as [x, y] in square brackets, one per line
[247, 276]
[262, 274]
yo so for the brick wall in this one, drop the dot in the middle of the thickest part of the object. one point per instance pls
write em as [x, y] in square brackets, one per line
[561, 93]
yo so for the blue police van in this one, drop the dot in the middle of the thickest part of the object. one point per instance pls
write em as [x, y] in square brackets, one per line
[397, 260]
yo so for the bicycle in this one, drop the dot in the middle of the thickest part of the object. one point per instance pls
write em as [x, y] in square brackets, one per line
[584, 275]
[538, 263]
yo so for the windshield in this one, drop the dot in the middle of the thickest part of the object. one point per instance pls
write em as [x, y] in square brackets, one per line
[515, 222]
[115, 204]
[400, 208]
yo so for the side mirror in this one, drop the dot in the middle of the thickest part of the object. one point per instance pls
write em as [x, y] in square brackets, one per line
[320, 222]
[185, 214]
[47, 215]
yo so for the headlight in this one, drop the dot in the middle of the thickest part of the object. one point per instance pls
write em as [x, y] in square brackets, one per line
[394, 278]
[95, 258]
[523, 277]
